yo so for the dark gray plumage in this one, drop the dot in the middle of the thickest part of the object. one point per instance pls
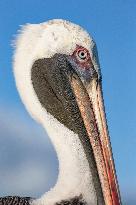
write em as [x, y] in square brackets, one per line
[15, 200]
[77, 200]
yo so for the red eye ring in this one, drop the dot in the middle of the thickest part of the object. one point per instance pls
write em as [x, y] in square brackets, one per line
[82, 54]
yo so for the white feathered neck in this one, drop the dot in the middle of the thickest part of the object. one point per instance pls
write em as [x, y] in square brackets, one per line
[43, 41]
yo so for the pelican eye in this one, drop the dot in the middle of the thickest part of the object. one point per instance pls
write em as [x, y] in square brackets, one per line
[82, 54]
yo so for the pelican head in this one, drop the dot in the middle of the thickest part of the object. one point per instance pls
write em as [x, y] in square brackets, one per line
[58, 77]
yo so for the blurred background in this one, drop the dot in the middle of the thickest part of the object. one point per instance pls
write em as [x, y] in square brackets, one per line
[28, 162]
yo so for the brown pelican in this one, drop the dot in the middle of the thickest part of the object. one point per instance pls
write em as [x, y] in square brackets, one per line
[58, 77]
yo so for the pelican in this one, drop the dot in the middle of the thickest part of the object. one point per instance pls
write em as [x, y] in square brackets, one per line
[58, 76]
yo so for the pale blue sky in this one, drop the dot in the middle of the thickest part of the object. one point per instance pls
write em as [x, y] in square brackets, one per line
[113, 26]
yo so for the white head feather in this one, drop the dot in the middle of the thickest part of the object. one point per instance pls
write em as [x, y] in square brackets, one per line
[37, 41]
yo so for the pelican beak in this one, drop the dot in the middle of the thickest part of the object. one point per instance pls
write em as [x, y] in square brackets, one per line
[90, 102]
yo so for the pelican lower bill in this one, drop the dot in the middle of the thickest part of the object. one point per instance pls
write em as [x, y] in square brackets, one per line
[99, 141]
